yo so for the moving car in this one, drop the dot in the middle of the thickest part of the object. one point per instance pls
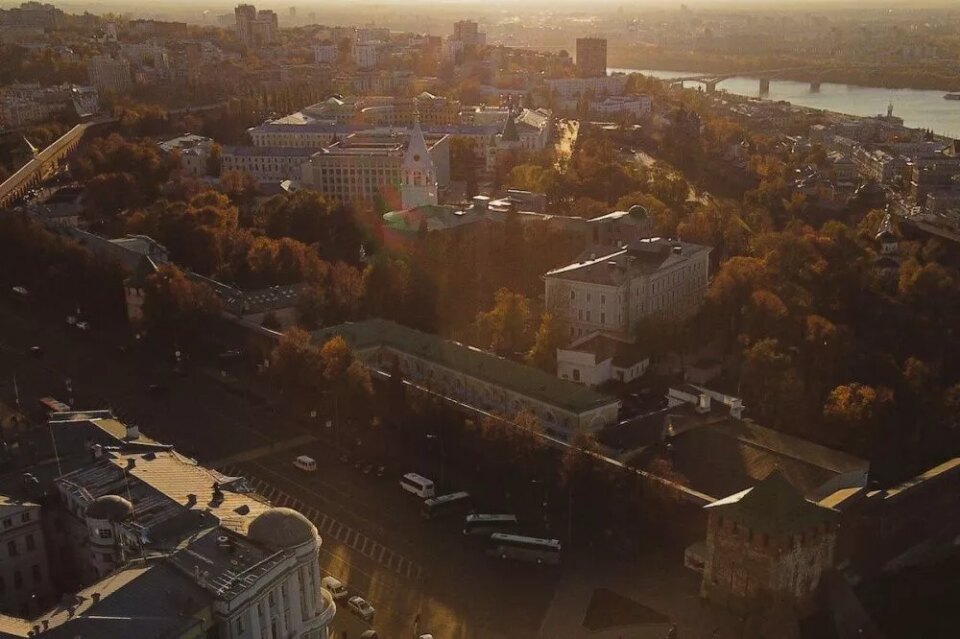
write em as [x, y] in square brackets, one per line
[335, 587]
[361, 607]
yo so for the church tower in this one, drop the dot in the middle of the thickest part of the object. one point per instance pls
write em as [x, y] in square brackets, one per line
[419, 182]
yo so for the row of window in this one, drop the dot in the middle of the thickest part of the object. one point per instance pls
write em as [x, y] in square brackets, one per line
[18, 578]
[13, 549]
[8, 521]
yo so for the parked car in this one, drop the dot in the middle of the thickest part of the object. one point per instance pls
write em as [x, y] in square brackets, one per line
[305, 463]
[361, 607]
[335, 587]
[21, 291]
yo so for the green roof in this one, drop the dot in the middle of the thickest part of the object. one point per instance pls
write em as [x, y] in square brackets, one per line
[774, 506]
[525, 380]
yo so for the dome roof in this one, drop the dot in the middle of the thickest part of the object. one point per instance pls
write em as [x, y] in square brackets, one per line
[109, 507]
[637, 211]
[281, 528]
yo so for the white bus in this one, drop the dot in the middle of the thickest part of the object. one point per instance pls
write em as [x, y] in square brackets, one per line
[304, 463]
[484, 524]
[417, 484]
[542, 551]
[444, 504]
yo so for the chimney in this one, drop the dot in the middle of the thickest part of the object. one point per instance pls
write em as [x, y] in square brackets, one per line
[133, 432]
[677, 248]
[97, 451]
[95, 596]
[191, 499]
[131, 462]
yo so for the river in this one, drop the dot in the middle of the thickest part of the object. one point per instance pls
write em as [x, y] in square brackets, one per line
[919, 109]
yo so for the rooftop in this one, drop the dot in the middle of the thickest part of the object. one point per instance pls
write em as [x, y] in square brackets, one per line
[268, 151]
[641, 257]
[720, 455]
[774, 506]
[474, 362]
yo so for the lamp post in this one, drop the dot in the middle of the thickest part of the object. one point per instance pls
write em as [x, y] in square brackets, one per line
[434, 436]
[545, 504]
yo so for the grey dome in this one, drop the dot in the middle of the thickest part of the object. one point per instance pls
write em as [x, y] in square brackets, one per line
[110, 508]
[281, 528]
[637, 211]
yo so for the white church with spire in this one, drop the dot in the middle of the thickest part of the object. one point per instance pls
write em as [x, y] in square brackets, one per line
[418, 185]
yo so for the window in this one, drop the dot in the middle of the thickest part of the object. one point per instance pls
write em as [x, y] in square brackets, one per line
[17, 579]
[588, 297]
[603, 318]
[240, 626]
[12, 548]
[31, 545]
[37, 577]
[104, 533]
[588, 316]
[576, 374]
[25, 517]
[7, 522]
[573, 295]
[603, 299]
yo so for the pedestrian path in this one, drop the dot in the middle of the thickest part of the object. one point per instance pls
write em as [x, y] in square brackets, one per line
[329, 527]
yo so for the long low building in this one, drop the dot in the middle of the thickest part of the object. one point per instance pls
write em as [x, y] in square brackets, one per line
[477, 378]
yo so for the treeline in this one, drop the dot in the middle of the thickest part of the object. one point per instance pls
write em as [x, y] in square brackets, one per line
[834, 348]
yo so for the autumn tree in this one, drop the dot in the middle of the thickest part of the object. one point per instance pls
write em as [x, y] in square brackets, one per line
[180, 311]
[550, 336]
[506, 327]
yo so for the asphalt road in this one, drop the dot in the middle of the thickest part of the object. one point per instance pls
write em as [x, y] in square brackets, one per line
[373, 537]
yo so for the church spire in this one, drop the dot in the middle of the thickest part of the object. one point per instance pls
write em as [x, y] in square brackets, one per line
[419, 185]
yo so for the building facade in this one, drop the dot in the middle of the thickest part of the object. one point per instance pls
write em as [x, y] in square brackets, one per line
[767, 545]
[612, 291]
[592, 57]
[362, 165]
[475, 378]
[265, 164]
[25, 587]
[109, 74]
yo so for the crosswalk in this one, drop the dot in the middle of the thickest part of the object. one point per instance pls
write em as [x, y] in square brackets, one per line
[329, 527]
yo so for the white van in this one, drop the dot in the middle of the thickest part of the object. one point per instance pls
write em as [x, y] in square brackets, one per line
[418, 485]
[305, 463]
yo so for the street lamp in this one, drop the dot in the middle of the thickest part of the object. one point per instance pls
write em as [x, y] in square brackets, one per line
[434, 436]
[546, 502]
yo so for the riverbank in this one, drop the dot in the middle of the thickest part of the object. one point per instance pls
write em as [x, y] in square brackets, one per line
[919, 76]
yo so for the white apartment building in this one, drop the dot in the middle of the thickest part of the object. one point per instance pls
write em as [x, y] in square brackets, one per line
[109, 74]
[325, 53]
[602, 86]
[365, 55]
[611, 292]
[265, 164]
[635, 105]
